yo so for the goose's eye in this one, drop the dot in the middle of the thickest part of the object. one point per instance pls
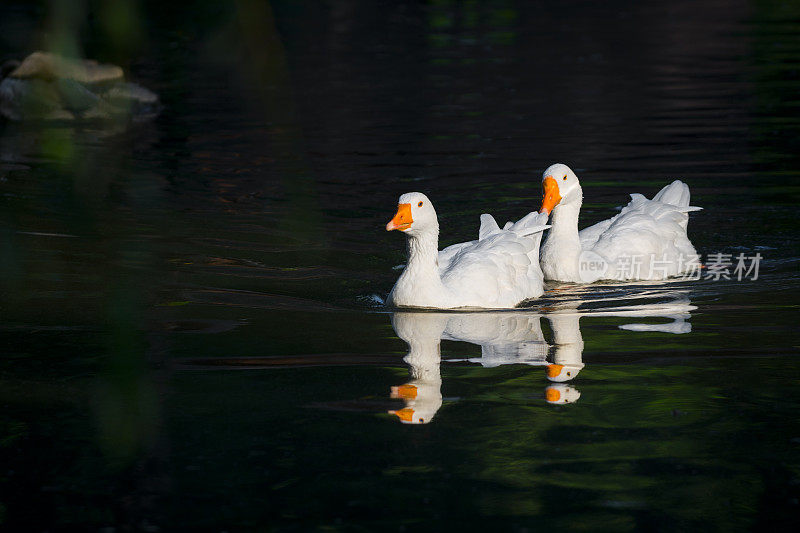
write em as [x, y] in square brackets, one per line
[565, 176]
[419, 204]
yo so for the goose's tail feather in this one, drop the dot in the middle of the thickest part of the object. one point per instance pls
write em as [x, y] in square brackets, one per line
[677, 194]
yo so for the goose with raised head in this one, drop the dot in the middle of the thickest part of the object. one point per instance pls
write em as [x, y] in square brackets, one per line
[647, 240]
[498, 270]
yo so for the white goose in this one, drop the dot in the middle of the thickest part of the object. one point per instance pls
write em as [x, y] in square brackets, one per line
[499, 270]
[647, 240]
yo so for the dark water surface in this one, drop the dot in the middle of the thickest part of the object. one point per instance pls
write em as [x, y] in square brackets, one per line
[191, 328]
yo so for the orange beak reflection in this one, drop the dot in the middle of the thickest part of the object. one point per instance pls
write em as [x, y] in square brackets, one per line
[554, 370]
[406, 415]
[550, 196]
[552, 395]
[402, 219]
[406, 392]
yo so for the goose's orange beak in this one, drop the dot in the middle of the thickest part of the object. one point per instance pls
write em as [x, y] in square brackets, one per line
[550, 195]
[406, 415]
[552, 394]
[554, 370]
[402, 219]
[407, 392]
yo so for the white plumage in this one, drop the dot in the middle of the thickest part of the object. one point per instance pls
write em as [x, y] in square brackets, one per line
[647, 240]
[498, 270]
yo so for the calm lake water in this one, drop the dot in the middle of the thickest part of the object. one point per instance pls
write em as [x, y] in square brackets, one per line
[192, 333]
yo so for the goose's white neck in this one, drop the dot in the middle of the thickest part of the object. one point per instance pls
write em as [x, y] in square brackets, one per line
[420, 284]
[566, 328]
[565, 219]
[423, 250]
[424, 356]
[567, 338]
[562, 246]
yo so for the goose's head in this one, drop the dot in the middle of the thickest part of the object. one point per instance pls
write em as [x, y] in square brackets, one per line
[415, 214]
[560, 185]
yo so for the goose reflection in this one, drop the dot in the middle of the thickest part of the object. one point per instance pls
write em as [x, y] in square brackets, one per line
[511, 338]
[422, 395]
[568, 340]
[504, 338]
[568, 349]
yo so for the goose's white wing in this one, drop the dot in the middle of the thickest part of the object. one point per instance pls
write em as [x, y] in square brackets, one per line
[500, 269]
[490, 272]
[590, 235]
[650, 232]
[488, 227]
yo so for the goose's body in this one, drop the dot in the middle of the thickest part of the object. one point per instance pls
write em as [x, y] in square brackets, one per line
[647, 240]
[498, 270]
